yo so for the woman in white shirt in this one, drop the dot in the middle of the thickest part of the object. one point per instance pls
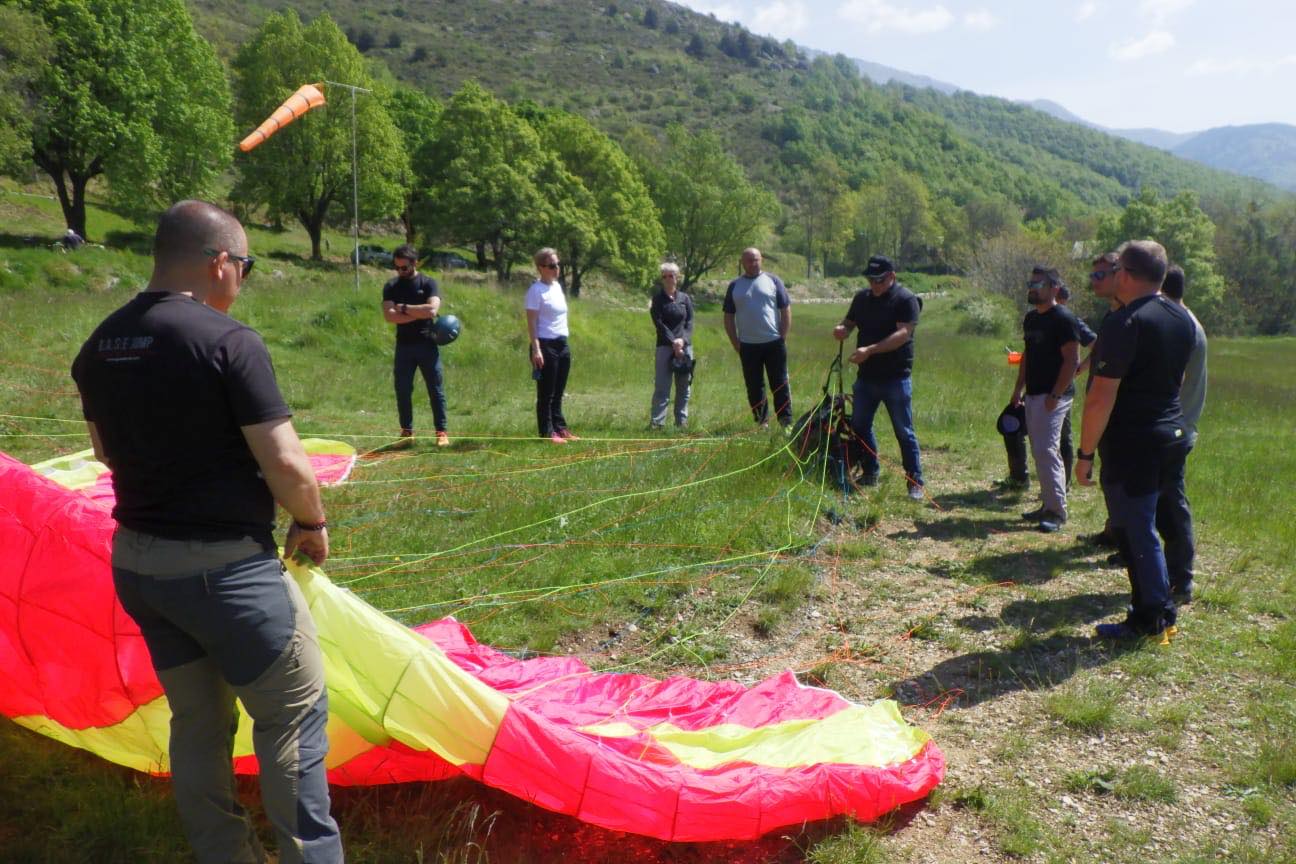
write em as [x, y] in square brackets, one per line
[546, 312]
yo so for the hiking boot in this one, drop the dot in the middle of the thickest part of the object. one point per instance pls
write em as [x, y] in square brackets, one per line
[1182, 594]
[1102, 539]
[1123, 632]
[869, 480]
[1035, 515]
[916, 493]
[407, 433]
[1116, 559]
[567, 435]
[443, 440]
[1051, 523]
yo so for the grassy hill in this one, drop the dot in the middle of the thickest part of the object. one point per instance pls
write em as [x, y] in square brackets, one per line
[710, 555]
[601, 60]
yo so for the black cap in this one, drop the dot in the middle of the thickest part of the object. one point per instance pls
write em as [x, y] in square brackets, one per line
[878, 265]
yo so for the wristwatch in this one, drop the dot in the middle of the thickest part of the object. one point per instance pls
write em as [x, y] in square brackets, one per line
[1082, 456]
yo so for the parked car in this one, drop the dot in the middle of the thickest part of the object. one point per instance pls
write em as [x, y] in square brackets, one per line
[370, 254]
[446, 261]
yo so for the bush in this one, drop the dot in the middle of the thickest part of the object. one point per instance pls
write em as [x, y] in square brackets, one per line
[984, 315]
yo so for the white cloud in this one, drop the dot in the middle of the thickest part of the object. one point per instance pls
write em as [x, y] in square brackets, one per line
[1086, 11]
[1156, 42]
[878, 15]
[1160, 10]
[1241, 66]
[781, 19]
[980, 20]
[722, 11]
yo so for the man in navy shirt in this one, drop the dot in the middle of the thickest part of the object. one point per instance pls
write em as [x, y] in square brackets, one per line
[885, 315]
[411, 302]
[1132, 416]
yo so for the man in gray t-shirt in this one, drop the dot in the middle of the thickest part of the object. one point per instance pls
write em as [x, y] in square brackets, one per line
[1174, 520]
[757, 317]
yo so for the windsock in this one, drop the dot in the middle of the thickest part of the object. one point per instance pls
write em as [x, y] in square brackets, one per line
[308, 96]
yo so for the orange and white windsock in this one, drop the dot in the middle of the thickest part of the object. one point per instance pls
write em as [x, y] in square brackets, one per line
[308, 96]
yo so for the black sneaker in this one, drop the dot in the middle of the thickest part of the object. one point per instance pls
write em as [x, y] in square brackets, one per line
[869, 480]
[1101, 539]
[1116, 559]
[1051, 523]
[1182, 594]
[1035, 515]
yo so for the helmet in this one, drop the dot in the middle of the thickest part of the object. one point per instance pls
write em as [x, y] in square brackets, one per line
[445, 330]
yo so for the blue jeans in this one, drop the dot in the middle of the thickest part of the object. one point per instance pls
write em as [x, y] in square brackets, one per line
[896, 394]
[423, 357]
[1133, 489]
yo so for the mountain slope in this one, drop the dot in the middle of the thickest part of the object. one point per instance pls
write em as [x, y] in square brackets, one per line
[1267, 151]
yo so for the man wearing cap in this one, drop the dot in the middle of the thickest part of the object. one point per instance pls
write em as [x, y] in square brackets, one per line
[757, 317]
[1132, 415]
[1046, 378]
[885, 315]
[411, 302]
[1174, 516]
[182, 404]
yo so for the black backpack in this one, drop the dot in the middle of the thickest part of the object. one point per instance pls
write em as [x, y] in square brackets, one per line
[822, 441]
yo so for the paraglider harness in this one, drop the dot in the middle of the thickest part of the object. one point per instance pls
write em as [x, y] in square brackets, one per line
[822, 441]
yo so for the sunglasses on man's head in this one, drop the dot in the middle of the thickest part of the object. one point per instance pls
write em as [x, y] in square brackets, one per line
[245, 260]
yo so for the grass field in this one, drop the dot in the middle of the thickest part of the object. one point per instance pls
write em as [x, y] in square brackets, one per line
[707, 554]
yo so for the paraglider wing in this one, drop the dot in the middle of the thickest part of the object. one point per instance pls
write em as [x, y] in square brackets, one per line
[307, 97]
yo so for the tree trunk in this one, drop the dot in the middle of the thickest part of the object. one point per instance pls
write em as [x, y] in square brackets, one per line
[72, 202]
[481, 254]
[572, 267]
[407, 219]
[313, 222]
[501, 261]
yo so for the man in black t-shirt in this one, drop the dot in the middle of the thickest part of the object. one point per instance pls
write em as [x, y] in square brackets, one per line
[181, 403]
[1046, 377]
[1133, 417]
[411, 302]
[885, 315]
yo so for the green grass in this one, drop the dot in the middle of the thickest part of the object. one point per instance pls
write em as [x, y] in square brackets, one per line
[707, 554]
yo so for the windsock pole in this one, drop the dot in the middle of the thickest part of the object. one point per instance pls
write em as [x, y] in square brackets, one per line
[355, 182]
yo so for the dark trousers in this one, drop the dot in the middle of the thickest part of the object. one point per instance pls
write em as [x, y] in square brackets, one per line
[423, 357]
[1174, 523]
[769, 359]
[551, 384]
[1064, 447]
[1018, 467]
[1133, 489]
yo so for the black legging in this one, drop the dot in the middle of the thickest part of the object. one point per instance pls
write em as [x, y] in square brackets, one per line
[551, 384]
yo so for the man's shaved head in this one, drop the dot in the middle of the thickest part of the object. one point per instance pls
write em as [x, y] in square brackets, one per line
[189, 227]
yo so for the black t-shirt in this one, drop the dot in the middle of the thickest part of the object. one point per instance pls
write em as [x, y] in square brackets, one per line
[1045, 334]
[1146, 345]
[877, 318]
[413, 292]
[168, 382]
[673, 318]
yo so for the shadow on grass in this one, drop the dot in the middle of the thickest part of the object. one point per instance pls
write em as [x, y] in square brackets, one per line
[25, 241]
[1033, 566]
[1042, 616]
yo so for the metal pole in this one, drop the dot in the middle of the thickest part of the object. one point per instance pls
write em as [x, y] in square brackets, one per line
[355, 181]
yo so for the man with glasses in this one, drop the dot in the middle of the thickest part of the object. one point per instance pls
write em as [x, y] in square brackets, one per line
[1103, 284]
[411, 302]
[1132, 415]
[182, 404]
[757, 318]
[885, 314]
[1045, 379]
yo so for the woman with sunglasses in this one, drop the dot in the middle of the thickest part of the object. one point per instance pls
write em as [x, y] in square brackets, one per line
[546, 313]
[672, 316]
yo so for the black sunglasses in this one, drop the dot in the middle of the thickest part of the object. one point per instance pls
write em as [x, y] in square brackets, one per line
[551, 264]
[404, 268]
[246, 260]
[1099, 275]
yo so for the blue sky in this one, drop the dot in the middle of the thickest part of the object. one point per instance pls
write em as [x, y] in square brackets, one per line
[1179, 65]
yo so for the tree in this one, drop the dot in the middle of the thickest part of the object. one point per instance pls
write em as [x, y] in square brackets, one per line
[821, 210]
[650, 18]
[25, 46]
[415, 115]
[708, 208]
[1188, 236]
[477, 178]
[305, 170]
[623, 234]
[132, 93]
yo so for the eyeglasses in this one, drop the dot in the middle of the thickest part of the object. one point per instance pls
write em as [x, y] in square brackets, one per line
[668, 275]
[245, 260]
[876, 280]
[552, 265]
[1036, 286]
[404, 268]
[1099, 275]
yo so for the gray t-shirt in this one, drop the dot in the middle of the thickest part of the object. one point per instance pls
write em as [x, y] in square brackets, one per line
[755, 303]
[1192, 395]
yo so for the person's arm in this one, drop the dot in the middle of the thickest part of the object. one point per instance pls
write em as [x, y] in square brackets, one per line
[898, 339]
[1020, 387]
[1097, 412]
[1070, 362]
[404, 313]
[842, 330]
[684, 336]
[287, 471]
[785, 321]
[97, 443]
[731, 330]
[533, 324]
